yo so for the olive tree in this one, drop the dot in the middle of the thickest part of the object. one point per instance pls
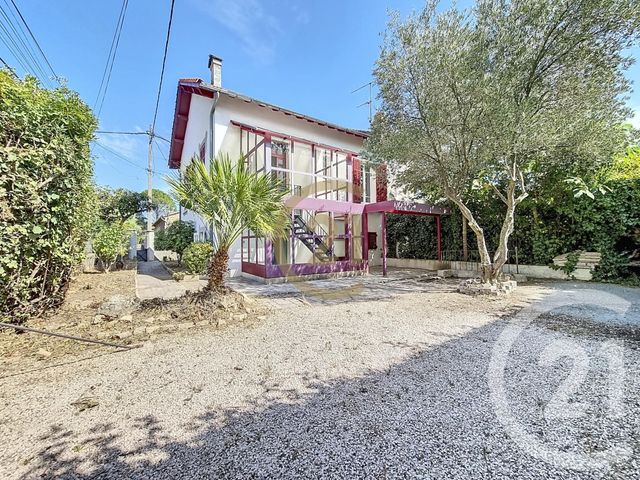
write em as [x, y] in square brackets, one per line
[494, 95]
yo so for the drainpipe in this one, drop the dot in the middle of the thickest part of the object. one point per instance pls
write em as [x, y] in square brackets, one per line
[212, 140]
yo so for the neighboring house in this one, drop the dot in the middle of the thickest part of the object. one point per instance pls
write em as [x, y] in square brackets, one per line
[163, 222]
[337, 200]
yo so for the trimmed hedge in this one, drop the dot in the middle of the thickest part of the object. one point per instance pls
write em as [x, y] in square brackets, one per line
[196, 257]
[46, 193]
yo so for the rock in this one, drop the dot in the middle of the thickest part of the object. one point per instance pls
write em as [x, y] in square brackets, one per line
[185, 325]
[84, 403]
[102, 335]
[117, 306]
[98, 319]
[152, 329]
[239, 317]
[44, 353]
[203, 323]
[126, 318]
[123, 335]
[445, 273]
[221, 322]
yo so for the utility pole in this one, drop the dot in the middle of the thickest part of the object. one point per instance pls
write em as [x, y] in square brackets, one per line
[150, 233]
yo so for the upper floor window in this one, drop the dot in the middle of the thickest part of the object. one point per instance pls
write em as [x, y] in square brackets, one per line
[365, 175]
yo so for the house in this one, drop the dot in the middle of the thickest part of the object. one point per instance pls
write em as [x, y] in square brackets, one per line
[164, 221]
[338, 201]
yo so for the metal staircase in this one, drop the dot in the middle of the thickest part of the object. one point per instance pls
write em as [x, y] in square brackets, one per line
[311, 234]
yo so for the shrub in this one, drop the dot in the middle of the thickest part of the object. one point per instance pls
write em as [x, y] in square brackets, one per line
[47, 199]
[196, 257]
[110, 243]
[176, 237]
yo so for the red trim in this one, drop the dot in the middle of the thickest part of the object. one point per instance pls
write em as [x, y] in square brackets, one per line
[186, 88]
[284, 136]
[189, 86]
[398, 206]
[356, 175]
[255, 269]
[438, 229]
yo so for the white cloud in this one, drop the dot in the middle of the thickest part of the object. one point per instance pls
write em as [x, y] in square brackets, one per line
[257, 29]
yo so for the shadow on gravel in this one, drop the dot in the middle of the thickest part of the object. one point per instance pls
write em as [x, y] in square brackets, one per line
[429, 416]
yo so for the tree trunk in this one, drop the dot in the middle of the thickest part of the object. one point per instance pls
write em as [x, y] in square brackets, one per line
[486, 265]
[217, 269]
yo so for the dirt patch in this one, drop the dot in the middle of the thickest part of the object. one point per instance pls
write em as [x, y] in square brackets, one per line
[104, 307]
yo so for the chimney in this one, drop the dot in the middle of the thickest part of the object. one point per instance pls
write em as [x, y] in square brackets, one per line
[215, 65]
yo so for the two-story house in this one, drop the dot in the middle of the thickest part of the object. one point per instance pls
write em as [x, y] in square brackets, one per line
[338, 201]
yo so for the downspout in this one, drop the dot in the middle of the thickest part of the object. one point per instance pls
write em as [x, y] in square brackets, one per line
[212, 140]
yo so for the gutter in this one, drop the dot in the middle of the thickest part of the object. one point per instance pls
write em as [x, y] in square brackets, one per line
[212, 140]
[212, 129]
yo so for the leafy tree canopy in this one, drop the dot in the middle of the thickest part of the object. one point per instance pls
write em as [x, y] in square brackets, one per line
[500, 94]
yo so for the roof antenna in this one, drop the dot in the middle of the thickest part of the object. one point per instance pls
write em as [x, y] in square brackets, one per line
[369, 102]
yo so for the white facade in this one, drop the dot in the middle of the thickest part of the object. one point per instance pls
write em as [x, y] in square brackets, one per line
[226, 135]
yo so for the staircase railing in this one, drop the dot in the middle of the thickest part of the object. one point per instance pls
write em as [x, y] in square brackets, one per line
[311, 235]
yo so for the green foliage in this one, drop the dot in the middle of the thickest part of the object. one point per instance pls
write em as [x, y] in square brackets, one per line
[551, 222]
[110, 243]
[492, 98]
[120, 204]
[162, 203]
[47, 200]
[176, 237]
[196, 257]
[231, 199]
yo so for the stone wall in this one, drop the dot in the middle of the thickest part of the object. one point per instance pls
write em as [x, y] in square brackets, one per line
[471, 269]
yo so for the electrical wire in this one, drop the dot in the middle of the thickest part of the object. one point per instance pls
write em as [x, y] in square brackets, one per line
[55, 76]
[122, 157]
[108, 68]
[26, 48]
[164, 60]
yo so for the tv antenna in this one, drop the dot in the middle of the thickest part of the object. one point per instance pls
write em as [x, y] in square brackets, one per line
[368, 102]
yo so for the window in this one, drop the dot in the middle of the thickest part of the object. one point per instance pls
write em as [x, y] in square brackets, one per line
[365, 175]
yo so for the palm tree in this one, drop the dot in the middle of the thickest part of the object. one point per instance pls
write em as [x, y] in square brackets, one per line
[231, 199]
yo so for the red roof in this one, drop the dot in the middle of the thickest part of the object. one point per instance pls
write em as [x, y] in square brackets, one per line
[189, 86]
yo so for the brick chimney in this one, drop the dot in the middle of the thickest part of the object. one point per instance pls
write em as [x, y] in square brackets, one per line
[215, 65]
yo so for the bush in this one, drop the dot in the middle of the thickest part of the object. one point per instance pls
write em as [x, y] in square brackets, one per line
[47, 199]
[176, 237]
[110, 243]
[196, 257]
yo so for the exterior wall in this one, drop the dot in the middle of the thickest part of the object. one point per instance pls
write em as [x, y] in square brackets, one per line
[227, 140]
[375, 225]
[471, 269]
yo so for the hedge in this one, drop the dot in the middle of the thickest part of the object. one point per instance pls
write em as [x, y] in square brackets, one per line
[46, 193]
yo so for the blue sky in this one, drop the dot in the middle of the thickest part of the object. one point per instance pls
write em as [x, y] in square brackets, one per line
[304, 55]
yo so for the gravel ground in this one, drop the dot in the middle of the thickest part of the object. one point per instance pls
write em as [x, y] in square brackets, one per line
[431, 385]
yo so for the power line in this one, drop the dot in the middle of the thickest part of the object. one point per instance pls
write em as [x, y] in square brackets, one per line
[122, 157]
[109, 132]
[27, 50]
[35, 40]
[164, 60]
[108, 68]
[7, 65]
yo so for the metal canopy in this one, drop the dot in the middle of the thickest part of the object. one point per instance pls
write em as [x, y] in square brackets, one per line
[403, 207]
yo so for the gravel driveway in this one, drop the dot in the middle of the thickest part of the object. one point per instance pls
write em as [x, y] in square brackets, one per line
[432, 385]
